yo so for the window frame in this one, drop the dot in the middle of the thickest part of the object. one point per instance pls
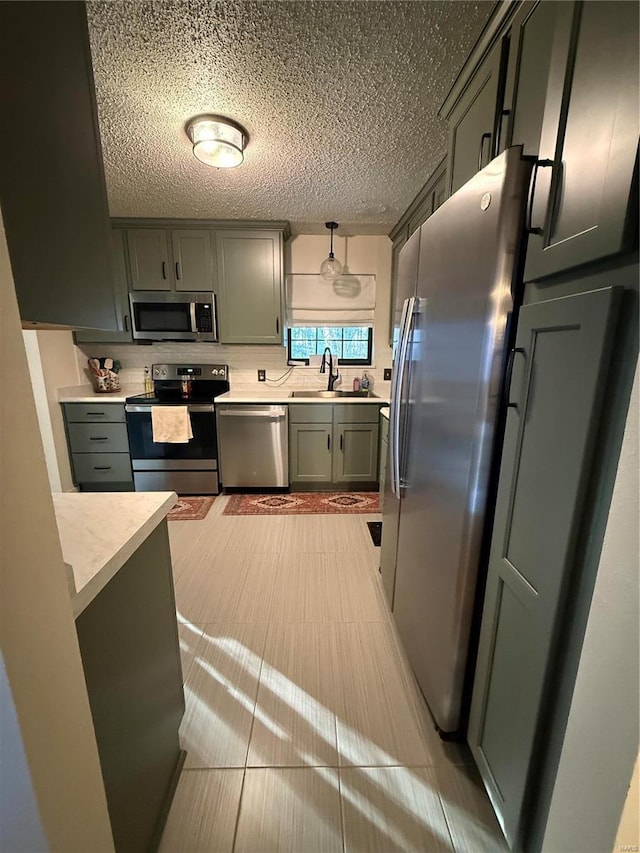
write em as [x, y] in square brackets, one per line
[344, 362]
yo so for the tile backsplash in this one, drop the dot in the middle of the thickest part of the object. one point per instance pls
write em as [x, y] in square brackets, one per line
[243, 361]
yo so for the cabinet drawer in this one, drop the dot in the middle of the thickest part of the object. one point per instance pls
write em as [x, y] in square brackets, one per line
[103, 438]
[308, 413]
[102, 467]
[94, 413]
[356, 413]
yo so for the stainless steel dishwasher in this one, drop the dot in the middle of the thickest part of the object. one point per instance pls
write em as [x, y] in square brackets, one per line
[253, 446]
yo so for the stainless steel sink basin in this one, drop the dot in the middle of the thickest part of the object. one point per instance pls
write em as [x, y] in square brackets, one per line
[332, 394]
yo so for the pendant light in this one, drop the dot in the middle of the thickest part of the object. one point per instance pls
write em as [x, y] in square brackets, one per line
[331, 267]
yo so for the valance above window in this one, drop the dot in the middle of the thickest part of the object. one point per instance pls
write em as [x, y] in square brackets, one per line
[350, 300]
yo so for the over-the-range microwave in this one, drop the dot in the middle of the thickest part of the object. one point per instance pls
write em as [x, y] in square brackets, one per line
[157, 315]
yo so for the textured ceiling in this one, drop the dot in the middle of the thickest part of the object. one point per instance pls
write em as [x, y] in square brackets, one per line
[339, 99]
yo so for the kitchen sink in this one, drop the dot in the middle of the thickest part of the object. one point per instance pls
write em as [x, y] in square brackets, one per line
[332, 394]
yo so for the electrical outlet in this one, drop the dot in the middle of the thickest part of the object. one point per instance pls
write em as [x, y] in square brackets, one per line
[262, 376]
[387, 374]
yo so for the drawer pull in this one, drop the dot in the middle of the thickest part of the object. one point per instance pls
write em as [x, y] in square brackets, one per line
[102, 467]
[98, 438]
[95, 414]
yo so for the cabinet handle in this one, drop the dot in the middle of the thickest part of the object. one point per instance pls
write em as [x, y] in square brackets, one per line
[328, 442]
[277, 325]
[178, 270]
[102, 467]
[94, 414]
[126, 322]
[481, 151]
[98, 438]
[341, 440]
[164, 269]
[509, 374]
[539, 164]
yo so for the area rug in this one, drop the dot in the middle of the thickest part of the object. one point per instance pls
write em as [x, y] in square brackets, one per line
[191, 509]
[303, 503]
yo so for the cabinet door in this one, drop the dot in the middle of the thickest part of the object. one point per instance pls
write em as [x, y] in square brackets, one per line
[475, 121]
[530, 44]
[52, 187]
[249, 266]
[560, 371]
[149, 259]
[121, 293]
[192, 260]
[355, 453]
[582, 206]
[310, 453]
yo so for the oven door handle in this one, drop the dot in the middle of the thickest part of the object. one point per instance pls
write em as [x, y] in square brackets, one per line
[203, 407]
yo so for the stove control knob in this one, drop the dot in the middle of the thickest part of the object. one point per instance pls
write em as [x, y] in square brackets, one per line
[215, 371]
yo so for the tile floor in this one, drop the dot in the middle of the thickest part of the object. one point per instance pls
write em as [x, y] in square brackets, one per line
[304, 729]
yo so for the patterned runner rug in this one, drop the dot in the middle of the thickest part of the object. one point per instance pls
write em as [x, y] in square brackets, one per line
[303, 503]
[191, 509]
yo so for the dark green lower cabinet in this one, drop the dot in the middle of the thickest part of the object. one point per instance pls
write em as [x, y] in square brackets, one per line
[355, 456]
[559, 375]
[128, 640]
[333, 445]
[310, 453]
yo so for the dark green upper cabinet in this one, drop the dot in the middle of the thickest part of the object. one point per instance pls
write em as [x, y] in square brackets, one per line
[192, 259]
[52, 187]
[249, 267]
[474, 121]
[179, 259]
[530, 45]
[583, 207]
[121, 290]
[149, 259]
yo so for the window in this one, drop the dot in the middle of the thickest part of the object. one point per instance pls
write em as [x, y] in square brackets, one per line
[350, 344]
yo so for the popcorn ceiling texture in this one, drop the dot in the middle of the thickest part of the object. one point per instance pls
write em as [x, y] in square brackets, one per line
[339, 99]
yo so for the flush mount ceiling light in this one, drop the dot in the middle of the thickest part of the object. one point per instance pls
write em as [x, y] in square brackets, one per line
[217, 141]
[331, 267]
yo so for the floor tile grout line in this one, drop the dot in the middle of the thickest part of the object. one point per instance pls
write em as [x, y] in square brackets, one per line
[237, 824]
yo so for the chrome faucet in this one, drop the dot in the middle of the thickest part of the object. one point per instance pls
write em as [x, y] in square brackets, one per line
[323, 365]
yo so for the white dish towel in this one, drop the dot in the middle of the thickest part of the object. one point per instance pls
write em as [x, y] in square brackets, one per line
[171, 424]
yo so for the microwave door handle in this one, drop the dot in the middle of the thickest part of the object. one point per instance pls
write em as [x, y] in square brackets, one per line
[192, 312]
[214, 316]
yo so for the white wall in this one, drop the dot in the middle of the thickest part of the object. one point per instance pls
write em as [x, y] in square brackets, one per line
[303, 254]
[52, 365]
[601, 740]
[38, 640]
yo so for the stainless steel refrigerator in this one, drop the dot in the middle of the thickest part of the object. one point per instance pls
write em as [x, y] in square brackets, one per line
[456, 281]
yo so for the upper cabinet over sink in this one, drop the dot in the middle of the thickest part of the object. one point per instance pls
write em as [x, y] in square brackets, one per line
[52, 186]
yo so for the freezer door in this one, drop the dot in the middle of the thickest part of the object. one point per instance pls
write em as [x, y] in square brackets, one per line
[468, 250]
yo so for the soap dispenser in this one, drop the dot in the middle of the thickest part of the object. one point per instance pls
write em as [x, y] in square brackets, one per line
[365, 382]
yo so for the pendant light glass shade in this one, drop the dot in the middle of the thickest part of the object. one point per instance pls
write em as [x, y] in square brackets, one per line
[331, 267]
[217, 141]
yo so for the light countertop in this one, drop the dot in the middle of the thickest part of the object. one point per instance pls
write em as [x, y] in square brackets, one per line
[99, 531]
[86, 394]
[238, 394]
[253, 394]
[385, 412]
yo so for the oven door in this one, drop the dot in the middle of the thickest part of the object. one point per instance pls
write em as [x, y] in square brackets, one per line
[199, 452]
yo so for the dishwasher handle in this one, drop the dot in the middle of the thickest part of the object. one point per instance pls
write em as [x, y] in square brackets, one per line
[272, 413]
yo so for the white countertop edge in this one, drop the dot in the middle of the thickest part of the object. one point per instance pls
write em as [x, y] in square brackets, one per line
[272, 396]
[86, 394]
[88, 575]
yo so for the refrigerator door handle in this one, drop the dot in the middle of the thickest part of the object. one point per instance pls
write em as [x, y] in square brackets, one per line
[408, 310]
